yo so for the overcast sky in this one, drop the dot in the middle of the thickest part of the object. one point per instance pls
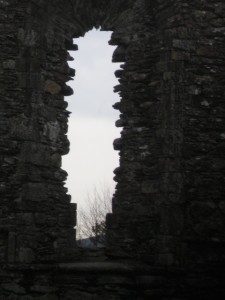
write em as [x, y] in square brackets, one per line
[91, 160]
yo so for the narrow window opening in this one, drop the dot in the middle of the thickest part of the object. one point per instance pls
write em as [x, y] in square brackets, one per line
[92, 129]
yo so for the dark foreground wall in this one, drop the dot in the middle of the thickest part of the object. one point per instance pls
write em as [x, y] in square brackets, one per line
[165, 238]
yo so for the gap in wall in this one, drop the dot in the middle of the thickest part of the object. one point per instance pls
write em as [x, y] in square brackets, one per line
[91, 160]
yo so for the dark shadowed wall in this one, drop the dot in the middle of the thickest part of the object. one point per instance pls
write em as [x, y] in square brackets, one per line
[168, 208]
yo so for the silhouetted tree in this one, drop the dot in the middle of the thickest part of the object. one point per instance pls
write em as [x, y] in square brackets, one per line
[92, 215]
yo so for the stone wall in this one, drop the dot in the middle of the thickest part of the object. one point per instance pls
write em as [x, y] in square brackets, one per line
[165, 237]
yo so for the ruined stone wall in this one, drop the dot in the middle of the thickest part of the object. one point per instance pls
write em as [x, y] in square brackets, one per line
[34, 139]
[201, 49]
[167, 225]
[148, 176]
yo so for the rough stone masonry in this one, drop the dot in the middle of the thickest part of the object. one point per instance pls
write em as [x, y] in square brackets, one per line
[166, 235]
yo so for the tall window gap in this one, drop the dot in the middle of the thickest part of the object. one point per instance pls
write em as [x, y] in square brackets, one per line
[91, 160]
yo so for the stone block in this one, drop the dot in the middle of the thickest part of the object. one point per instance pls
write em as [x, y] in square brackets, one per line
[26, 255]
[52, 87]
[13, 288]
[150, 187]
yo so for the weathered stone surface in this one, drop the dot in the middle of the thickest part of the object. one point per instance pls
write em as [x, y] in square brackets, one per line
[168, 207]
[14, 288]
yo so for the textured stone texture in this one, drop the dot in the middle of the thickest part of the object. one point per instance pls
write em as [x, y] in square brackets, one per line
[168, 208]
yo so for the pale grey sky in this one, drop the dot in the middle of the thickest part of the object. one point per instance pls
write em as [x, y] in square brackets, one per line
[91, 160]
